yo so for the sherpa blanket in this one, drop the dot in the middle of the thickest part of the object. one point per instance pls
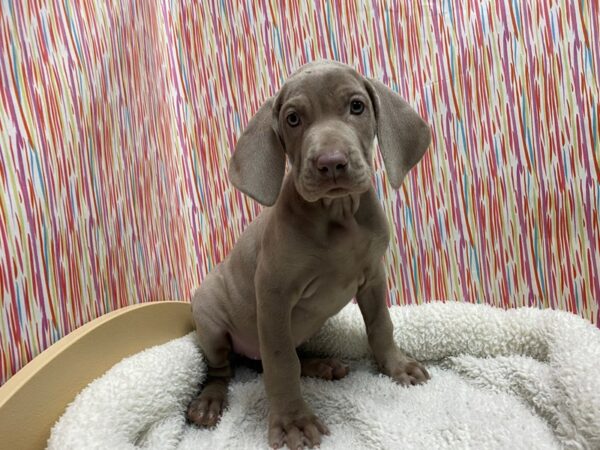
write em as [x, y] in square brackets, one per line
[517, 379]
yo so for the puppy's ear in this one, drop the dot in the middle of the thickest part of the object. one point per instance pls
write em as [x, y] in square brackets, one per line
[258, 163]
[403, 136]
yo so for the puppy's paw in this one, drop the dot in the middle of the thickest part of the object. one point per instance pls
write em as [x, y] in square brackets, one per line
[295, 427]
[326, 368]
[407, 371]
[206, 410]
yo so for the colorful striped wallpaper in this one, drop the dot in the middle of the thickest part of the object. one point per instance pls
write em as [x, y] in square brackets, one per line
[117, 120]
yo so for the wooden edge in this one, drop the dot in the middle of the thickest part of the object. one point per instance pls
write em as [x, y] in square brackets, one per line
[36, 396]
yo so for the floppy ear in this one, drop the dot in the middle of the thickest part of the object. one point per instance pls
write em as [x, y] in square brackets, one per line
[403, 136]
[258, 163]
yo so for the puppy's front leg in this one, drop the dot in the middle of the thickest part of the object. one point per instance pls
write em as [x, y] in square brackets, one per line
[291, 421]
[391, 360]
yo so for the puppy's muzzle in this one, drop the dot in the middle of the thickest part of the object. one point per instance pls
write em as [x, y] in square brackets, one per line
[334, 162]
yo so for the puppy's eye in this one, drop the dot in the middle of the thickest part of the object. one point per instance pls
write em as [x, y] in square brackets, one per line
[356, 107]
[293, 119]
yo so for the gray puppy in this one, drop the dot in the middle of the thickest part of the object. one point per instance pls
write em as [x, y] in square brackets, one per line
[319, 245]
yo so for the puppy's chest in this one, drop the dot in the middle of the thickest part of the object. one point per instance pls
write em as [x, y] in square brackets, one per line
[333, 281]
[347, 260]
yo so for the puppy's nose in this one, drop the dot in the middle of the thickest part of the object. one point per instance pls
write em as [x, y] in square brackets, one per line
[332, 164]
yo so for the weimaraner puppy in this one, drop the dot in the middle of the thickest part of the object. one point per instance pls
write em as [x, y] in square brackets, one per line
[319, 245]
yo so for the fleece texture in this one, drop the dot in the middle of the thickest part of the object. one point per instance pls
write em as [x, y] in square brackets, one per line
[519, 379]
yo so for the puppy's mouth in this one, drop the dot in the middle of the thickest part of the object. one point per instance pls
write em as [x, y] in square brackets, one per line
[337, 191]
[331, 189]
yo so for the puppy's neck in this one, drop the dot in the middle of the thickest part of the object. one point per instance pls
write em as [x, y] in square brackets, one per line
[341, 209]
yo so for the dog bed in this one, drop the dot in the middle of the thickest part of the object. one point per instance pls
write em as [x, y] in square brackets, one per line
[522, 378]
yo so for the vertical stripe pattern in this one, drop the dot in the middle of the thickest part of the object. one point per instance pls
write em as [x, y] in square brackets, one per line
[117, 121]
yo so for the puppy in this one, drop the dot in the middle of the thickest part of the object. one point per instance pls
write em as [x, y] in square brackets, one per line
[319, 245]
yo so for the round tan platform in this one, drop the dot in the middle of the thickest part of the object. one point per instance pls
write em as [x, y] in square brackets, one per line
[35, 397]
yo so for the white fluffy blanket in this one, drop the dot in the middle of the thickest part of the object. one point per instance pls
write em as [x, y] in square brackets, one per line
[518, 379]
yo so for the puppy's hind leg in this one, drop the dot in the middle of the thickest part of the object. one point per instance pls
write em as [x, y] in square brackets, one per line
[206, 409]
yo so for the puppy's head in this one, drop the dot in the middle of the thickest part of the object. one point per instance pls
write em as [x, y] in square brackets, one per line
[325, 119]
